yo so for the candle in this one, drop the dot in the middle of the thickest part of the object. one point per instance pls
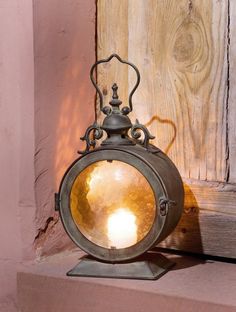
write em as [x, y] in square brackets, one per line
[122, 229]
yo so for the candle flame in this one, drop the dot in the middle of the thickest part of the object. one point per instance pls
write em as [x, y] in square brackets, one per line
[122, 229]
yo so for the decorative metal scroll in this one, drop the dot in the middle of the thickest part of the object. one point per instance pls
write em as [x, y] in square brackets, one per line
[92, 134]
[136, 134]
[117, 122]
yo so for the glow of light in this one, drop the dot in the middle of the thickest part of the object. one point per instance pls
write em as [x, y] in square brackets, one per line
[118, 174]
[122, 229]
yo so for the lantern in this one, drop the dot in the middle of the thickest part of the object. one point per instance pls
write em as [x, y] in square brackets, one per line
[119, 200]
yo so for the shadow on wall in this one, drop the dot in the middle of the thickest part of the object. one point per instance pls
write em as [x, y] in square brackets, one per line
[188, 229]
[168, 122]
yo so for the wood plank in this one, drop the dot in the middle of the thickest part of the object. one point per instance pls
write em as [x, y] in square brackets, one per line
[179, 47]
[112, 37]
[208, 224]
[182, 98]
[215, 197]
[231, 108]
[204, 232]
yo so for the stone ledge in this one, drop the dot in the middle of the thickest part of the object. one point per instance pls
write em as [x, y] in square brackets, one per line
[192, 286]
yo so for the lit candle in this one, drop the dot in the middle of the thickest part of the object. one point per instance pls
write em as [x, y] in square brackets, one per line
[122, 229]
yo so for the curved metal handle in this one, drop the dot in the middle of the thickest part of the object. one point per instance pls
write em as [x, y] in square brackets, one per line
[99, 91]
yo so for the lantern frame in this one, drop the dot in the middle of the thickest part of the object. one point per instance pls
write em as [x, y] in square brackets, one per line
[123, 143]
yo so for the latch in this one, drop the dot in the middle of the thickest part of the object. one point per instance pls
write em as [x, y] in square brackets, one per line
[165, 204]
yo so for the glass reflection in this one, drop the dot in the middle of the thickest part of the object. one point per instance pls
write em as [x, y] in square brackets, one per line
[112, 204]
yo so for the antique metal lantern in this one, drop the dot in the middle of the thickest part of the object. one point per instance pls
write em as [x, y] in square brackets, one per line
[119, 200]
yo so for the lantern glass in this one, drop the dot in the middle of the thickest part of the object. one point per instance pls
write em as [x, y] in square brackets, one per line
[112, 204]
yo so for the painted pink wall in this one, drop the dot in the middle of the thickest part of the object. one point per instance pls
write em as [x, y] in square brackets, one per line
[17, 202]
[46, 102]
[64, 47]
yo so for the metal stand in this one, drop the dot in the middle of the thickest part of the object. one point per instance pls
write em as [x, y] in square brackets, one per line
[149, 266]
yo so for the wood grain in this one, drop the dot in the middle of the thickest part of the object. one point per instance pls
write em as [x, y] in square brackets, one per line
[179, 47]
[231, 107]
[208, 224]
[112, 37]
[186, 98]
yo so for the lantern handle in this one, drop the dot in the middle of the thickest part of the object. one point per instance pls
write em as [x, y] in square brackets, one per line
[102, 108]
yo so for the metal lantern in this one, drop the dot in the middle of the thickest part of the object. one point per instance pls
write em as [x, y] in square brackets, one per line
[119, 200]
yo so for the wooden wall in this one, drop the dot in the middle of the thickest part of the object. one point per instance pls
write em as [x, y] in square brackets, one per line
[185, 51]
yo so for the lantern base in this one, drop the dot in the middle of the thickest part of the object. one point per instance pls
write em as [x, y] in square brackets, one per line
[150, 266]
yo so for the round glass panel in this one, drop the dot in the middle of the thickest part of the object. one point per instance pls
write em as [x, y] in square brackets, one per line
[112, 204]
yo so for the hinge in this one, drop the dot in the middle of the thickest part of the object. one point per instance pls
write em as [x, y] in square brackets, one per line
[57, 202]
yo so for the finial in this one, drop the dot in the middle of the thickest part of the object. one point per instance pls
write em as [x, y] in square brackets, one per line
[115, 102]
[115, 88]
